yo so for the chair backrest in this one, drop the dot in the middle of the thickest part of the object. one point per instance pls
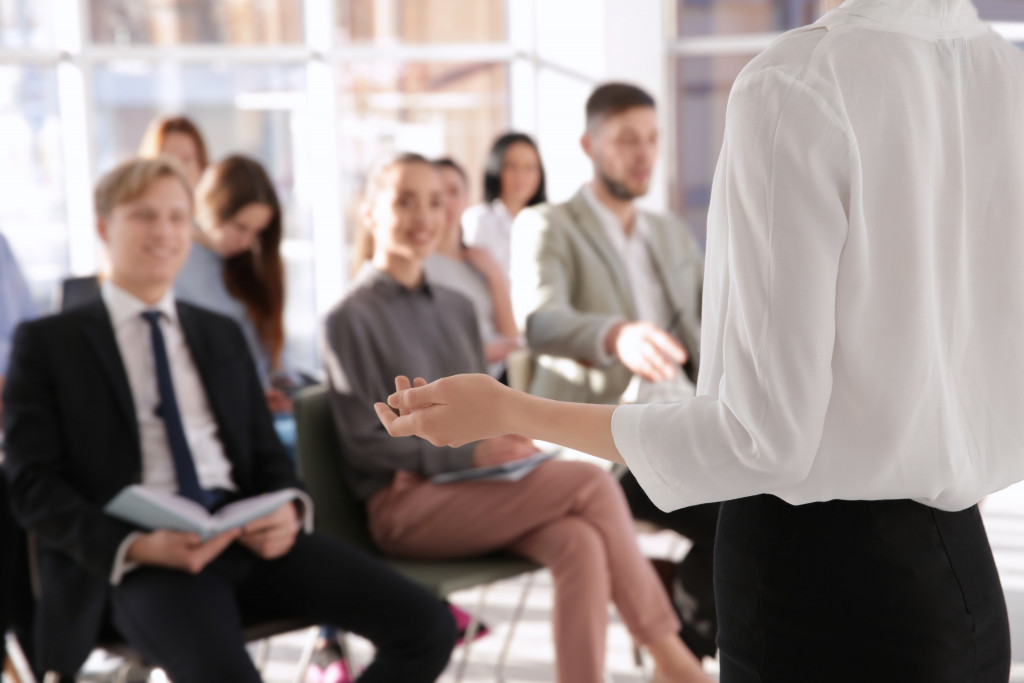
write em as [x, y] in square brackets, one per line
[322, 468]
[77, 291]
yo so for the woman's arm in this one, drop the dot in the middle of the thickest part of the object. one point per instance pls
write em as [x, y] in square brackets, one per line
[464, 408]
[497, 284]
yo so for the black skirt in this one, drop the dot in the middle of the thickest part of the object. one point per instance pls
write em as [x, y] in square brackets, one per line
[865, 591]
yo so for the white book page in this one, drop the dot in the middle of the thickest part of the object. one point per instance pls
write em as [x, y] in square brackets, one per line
[246, 510]
[157, 509]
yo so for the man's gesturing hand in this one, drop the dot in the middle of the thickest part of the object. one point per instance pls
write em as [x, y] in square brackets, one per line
[647, 350]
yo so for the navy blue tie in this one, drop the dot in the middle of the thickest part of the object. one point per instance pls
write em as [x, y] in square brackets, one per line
[184, 467]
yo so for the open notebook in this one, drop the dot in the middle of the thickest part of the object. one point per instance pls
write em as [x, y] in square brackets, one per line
[508, 471]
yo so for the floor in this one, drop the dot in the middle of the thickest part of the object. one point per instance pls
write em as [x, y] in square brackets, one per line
[531, 656]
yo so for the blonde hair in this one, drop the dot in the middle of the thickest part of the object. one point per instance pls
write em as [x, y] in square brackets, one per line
[363, 246]
[132, 179]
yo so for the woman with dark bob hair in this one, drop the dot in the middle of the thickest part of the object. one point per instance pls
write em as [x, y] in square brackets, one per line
[513, 180]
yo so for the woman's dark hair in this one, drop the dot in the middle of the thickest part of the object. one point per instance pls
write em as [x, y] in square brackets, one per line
[496, 161]
[254, 277]
[362, 249]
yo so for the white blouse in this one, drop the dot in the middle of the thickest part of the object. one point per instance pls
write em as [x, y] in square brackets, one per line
[489, 226]
[864, 293]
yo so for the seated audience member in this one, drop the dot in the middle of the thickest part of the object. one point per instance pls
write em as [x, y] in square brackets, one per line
[179, 137]
[473, 272]
[235, 269]
[513, 180]
[609, 298]
[16, 305]
[139, 388]
[570, 516]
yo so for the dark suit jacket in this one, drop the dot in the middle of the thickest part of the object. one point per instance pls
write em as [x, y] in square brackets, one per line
[72, 443]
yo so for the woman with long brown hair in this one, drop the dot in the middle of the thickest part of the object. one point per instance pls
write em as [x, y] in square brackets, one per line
[235, 267]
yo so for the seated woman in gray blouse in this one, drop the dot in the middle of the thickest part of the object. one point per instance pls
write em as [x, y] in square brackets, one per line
[570, 516]
[235, 265]
[473, 272]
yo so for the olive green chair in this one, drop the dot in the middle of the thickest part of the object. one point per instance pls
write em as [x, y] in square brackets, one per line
[340, 515]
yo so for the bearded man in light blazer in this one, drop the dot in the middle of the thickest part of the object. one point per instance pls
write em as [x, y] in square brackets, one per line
[609, 298]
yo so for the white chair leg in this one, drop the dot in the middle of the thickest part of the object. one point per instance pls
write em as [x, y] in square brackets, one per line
[470, 635]
[307, 654]
[499, 671]
[16, 661]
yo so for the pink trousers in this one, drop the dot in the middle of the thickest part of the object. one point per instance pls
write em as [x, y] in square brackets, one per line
[569, 516]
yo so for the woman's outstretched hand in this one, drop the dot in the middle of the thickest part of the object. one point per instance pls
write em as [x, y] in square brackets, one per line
[449, 412]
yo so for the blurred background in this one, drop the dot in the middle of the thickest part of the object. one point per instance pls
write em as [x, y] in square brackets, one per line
[316, 89]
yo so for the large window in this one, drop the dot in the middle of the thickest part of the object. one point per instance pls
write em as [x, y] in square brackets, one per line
[175, 22]
[33, 173]
[315, 90]
[715, 40]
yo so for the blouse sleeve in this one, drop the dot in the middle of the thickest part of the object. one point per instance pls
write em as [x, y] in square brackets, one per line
[777, 225]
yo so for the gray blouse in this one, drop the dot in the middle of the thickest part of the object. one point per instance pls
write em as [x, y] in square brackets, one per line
[465, 279]
[379, 330]
[201, 282]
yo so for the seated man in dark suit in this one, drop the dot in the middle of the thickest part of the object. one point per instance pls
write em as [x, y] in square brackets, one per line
[138, 389]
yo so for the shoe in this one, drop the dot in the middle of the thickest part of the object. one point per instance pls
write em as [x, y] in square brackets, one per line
[462, 621]
[337, 672]
[328, 666]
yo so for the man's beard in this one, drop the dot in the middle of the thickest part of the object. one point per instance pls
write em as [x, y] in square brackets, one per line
[617, 189]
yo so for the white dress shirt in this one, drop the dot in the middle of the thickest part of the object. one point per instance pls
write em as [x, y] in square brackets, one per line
[650, 299]
[489, 226]
[135, 344]
[864, 292]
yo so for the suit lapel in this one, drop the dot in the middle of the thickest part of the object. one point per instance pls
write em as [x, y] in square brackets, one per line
[100, 333]
[661, 250]
[662, 247]
[198, 341]
[197, 346]
[593, 231]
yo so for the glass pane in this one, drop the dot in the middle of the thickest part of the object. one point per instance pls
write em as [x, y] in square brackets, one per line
[437, 110]
[702, 87]
[725, 17]
[26, 23]
[420, 21]
[250, 110]
[173, 22]
[33, 213]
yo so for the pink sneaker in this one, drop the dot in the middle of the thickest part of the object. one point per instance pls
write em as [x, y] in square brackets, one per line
[462, 621]
[337, 672]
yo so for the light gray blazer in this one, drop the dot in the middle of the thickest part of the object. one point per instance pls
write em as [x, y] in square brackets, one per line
[568, 284]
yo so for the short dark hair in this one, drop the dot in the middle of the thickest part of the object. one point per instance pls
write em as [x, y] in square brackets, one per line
[448, 162]
[496, 160]
[610, 99]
